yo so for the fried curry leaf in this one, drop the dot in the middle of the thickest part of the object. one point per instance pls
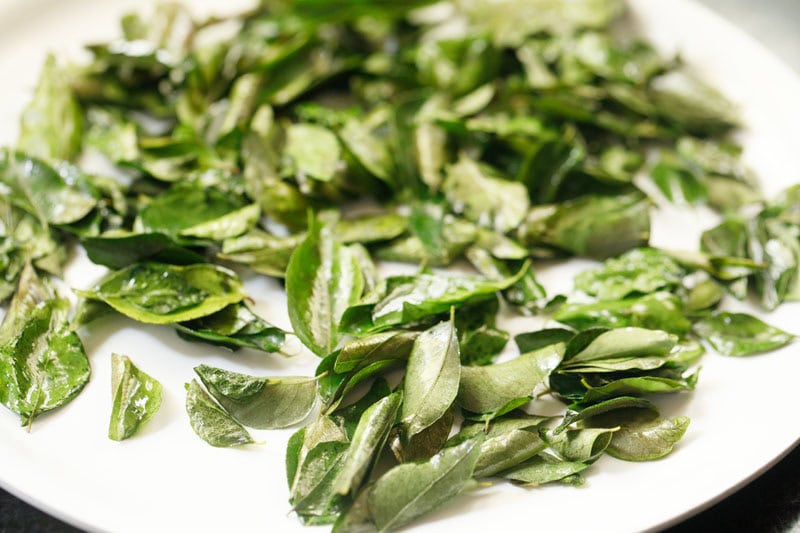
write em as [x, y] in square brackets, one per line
[211, 423]
[488, 389]
[740, 334]
[52, 123]
[156, 293]
[410, 490]
[260, 403]
[432, 378]
[42, 362]
[323, 279]
[135, 398]
[234, 327]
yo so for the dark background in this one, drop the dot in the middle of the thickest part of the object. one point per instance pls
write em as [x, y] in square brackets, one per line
[770, 503]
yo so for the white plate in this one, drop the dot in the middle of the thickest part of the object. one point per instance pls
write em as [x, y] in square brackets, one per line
[167, 479]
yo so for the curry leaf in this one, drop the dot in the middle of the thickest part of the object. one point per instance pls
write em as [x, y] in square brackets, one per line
[234, 327]
[595, 226]
[509, 441]
[52, 123]
[410, 490]
[211, 423]
[660, 310]
[640, 271]
[643, 435]
[156, 293]
[322, 280]
[740, 334]
[42, 362]
[370, 436]
[544, 469]
[484, 197]
[432, 377]
[135, 397]
[261, 403]
[37, 188]
[487, 389]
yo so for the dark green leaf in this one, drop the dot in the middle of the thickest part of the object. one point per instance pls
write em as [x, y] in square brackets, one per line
[234, 327]
[38, 189]
[661, 310]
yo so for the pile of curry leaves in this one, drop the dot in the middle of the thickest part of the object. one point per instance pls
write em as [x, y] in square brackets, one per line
[303, 140]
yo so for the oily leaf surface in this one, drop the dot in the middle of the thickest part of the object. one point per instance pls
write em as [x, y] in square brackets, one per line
[740, 334]
[43, 364]
[410, 490]
[323, 279]
[432, 377]
[135, 398]
[157, 293]
[210, 422]
[260, 403]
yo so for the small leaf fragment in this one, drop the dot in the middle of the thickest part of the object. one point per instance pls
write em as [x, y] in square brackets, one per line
[210, 422]
[135, 398]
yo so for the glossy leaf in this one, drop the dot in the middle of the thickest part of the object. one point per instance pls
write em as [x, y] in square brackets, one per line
[211, 423]
[157, 293]
[323, 279]
[487, 389]
[135, 398]
[429, 294]
[410, 490]
[234, 327]
[640, 271]
[313, 497]
[368, 440]
[43, 364]
[261, 403]
[643, 435]
[432, 378]
[740, 334]
[37, 188]
[660, 310]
